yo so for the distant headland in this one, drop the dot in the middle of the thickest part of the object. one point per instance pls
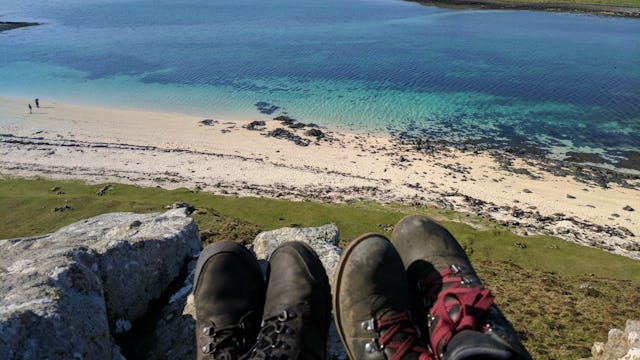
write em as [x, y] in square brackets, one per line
[8, 25]
[629, 8]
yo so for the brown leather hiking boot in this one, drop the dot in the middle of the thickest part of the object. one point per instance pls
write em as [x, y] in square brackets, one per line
[297, 307]
[229, 292]
[457, 311]
[371, 302]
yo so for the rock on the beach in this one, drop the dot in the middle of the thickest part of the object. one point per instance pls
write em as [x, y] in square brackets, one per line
[66, 294]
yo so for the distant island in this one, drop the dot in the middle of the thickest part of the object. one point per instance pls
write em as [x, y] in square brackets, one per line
[624, 8]
[8, 25]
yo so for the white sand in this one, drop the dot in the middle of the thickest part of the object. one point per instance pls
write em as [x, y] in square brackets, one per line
[172, 150]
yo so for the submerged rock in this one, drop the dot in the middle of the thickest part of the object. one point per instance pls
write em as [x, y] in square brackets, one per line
[266, 108]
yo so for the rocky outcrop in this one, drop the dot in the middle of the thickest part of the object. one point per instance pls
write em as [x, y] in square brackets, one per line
[65, 295]
[622, 345]
[71, 293]
[323, 239]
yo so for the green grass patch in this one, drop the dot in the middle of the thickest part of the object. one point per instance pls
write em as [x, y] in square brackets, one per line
[558, 295]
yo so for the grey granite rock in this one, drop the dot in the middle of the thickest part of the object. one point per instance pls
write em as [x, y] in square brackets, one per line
[323, 239]
[65, 294]
[623, 345]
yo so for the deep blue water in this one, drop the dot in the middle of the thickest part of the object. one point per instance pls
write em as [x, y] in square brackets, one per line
[555, 81]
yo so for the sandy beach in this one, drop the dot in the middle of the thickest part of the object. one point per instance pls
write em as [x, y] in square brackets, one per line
[171, 150]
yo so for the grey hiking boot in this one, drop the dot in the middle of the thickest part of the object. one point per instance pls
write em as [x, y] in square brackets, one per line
[229, 292]
[297, 307]
[458, 312]
[371, 303]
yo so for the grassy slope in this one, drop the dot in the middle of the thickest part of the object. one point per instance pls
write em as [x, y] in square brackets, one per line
[559, 295]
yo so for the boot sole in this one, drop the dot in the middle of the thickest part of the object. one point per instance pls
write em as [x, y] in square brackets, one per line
[337, 282]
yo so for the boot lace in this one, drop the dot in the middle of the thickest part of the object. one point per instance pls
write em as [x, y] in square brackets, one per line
[275, 337]
[227, 342]
[455, 301]
[390, 326]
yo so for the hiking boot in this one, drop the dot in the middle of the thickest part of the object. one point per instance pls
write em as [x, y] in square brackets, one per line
[229, 292]
[297, 307]
[371, 302]
[457, 311]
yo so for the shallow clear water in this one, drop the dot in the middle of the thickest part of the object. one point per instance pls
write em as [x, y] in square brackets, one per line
[554, 81]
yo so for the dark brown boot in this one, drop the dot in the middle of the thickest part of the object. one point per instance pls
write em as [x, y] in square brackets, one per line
[371, 302]
[297, 307]
[229, 292]
[458, 312]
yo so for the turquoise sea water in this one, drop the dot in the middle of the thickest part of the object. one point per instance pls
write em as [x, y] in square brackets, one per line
[503, 78]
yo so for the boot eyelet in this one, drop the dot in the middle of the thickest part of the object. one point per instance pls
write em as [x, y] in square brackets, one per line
[284, 316]
[370, 325]
[209, 348]
[208, 330]
[373, 346]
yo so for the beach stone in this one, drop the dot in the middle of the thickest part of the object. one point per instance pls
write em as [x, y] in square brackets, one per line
[315, 133]
[66, 294]
[628, 208]
[256, 125]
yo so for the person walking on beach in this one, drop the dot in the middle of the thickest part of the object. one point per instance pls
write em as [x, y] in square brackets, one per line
[415, 297]
[30, 109]
[37, 103]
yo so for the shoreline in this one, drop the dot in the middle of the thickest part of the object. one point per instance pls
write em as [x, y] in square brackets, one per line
[600, 10]
[288, 159]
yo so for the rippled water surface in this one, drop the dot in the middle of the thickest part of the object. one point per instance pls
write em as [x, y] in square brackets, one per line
[555, 81]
